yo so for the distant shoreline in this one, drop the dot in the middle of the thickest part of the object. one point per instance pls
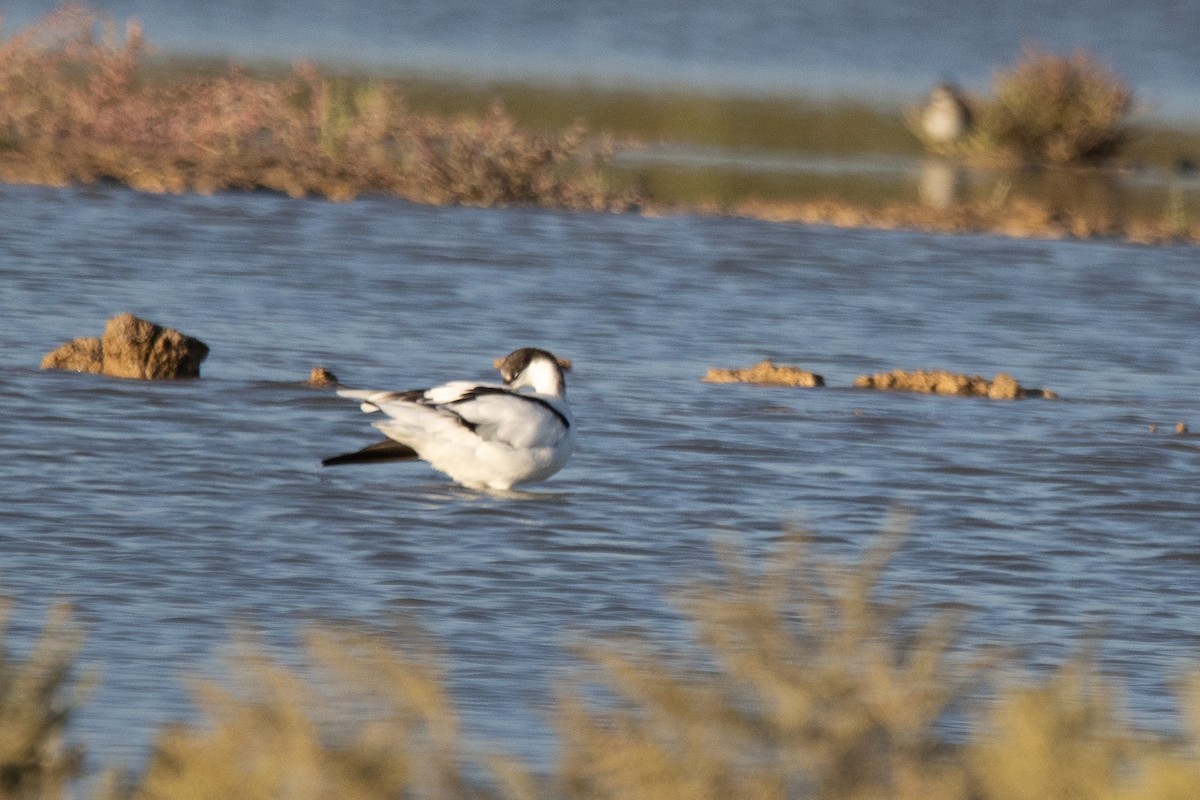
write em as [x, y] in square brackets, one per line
[1153, 196]
[1162, 207]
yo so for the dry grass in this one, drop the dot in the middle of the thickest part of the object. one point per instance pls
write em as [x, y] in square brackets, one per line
[812, 690]
[1068, 737]
[366, 720]
[75, 107]
[815, 682]
[1058, 110]
[807, 678]
[1047, 110]
[37, 695]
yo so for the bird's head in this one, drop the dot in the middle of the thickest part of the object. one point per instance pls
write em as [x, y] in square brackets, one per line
[534, 368]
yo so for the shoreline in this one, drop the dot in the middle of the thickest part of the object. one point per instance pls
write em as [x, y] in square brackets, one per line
[460, 139]
[1022, 220]
[1150, 196]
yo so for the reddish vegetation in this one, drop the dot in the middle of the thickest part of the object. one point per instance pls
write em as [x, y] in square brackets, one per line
[75, 107]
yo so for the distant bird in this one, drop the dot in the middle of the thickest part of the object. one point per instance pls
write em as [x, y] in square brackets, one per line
[484, 436]
[945, 117]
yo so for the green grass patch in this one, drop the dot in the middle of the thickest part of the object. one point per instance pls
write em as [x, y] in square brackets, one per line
[711, 119]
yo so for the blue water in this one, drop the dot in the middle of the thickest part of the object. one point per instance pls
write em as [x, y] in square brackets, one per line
[173, 514]
[882, 51]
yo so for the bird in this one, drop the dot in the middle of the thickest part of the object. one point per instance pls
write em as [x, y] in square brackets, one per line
[484, 436]
[946, 117]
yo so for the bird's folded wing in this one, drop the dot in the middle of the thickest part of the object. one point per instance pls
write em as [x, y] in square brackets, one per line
[511, 417]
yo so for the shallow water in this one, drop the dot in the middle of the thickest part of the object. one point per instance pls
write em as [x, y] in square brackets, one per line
[171, 514]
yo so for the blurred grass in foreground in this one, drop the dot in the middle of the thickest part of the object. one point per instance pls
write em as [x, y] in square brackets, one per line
[807, 678]
[38, 693]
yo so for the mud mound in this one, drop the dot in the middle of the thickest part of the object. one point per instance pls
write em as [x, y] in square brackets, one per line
[766, 373]
[1001, 387]
[132, 348]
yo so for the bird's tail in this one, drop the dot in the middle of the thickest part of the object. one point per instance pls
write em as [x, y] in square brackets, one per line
[387, 450]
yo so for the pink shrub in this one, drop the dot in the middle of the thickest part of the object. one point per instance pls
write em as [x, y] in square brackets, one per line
[73, 93]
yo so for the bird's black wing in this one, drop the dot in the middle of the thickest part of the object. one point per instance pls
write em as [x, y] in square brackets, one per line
[387, 450]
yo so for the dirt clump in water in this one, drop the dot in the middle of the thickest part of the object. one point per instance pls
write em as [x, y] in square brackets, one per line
[766, 373]
[1001, 387]
[132, 348]
[321, 378]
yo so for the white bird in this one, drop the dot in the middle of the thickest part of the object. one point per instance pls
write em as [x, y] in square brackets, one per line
[483, 435]
[946, 117]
